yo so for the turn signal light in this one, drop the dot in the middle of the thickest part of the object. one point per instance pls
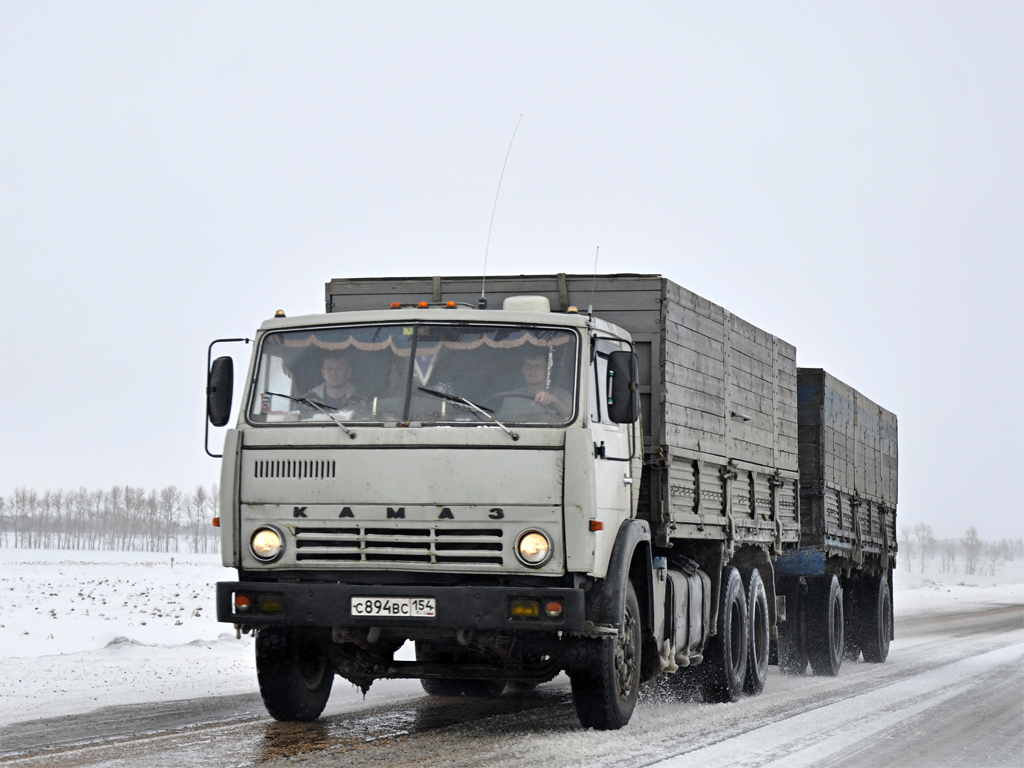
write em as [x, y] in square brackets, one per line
[242, 603]
[525, 608]
[216, 522]
[596, 525]
[553, 608]
[270, 603]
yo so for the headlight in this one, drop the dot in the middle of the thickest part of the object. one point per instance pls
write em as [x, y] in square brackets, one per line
[533, 548]
[266, 544]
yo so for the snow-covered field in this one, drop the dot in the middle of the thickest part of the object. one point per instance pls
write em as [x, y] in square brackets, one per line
[81, 630]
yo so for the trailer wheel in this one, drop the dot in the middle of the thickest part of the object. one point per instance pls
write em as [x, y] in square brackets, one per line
[757, 623]
[726, 655]
[875, 625]
[824, 618]
[606, 679]
[294, 673]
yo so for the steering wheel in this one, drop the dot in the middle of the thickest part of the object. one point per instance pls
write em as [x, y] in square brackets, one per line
[497, 397]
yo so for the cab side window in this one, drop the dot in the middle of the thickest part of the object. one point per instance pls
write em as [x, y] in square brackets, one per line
[598, 388]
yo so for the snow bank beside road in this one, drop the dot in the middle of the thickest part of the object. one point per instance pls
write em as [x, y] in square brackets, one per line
[81, 630]
[916, 593]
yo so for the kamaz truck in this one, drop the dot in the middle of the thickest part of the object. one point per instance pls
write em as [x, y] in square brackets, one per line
[607, 476]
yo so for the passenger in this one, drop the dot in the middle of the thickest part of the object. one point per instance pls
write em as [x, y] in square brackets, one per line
[337, 390]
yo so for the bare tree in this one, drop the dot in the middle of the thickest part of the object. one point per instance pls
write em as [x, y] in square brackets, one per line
[925, 541]
[973, 546]
[947, 550]
[196, 506]
[170, 517]
[905, 542]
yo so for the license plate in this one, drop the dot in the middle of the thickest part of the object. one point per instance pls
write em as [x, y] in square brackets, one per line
[414, 607]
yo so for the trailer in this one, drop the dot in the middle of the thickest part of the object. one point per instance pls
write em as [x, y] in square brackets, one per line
[608, 476]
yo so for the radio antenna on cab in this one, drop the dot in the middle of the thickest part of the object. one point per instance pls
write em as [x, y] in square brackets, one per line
[483, 283]
[593, 283]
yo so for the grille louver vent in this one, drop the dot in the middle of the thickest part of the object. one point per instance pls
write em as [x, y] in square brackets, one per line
[422, 544]
[294, 469]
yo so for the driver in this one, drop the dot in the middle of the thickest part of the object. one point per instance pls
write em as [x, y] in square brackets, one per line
[337, 390]
[554, 400]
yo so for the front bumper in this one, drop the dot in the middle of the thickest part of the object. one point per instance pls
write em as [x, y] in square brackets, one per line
[330, 605]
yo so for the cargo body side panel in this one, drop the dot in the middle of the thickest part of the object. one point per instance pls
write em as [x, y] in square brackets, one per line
[718, 396]
[849, 468]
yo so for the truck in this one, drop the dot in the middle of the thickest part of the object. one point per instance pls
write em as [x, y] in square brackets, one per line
[605, 475]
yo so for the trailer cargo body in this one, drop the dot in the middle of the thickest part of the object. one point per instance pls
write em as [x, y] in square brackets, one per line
[700, 505]
[848, 470]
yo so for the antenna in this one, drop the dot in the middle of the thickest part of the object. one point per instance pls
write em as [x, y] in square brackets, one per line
[483, 281]
[590, 306]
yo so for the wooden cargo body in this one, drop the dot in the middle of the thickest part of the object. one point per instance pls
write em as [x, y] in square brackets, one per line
[719, 396]
[848, 470]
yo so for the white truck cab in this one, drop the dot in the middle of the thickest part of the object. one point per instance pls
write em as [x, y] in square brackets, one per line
[447, 475]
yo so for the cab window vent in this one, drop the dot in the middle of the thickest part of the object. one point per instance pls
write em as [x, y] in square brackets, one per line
[281, 468]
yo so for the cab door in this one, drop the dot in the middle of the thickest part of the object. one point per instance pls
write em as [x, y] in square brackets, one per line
[613, 468]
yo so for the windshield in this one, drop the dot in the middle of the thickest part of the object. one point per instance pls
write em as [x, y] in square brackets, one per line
[422, 373]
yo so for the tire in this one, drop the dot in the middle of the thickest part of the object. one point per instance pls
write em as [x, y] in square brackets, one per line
[294, 673]
[725, 659]
[438, 687]
[606, 679]
[758, 631]
[824, 617]
[875, 624]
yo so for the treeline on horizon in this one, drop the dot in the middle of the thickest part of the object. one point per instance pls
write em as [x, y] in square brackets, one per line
[121, 518]
[918, 545]
[171, 520]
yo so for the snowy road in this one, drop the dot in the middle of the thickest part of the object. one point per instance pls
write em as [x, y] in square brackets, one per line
[950, 695]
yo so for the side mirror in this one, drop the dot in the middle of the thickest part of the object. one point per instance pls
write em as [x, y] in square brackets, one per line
[219, 385]
[623, 387]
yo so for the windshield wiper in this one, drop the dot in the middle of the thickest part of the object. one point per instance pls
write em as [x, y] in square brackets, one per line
[319, 406]
[470, 406]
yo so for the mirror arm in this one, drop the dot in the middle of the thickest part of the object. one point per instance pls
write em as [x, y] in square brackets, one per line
[209, 362]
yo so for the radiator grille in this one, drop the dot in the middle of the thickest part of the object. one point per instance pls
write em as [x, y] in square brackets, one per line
[294, 469]
[422, 544]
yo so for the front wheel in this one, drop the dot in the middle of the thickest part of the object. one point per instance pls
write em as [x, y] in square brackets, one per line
[605, 683]
[294, 673]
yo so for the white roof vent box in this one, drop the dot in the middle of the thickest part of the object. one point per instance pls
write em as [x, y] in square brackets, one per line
[526, 304]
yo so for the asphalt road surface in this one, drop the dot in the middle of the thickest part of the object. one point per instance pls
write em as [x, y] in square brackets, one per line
[951, 694]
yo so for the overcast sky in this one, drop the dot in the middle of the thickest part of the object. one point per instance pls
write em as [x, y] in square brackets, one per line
[848, 176]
